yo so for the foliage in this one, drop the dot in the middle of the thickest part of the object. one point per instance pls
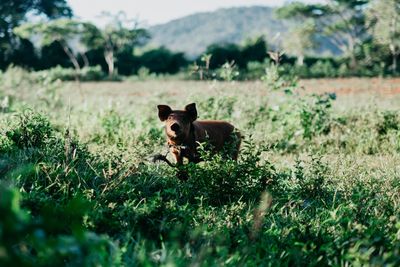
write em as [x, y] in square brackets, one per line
[65, 74]
[222, 54]
[343, 22]
[161, 60]
[203, 69]
[316, 181]
[55, 236]
[299, 40]
[228, 71]
[115, 38]
[315, 117]
[323, 27]
[384, 15]
[61, 31]
[252, 51]
[275, 77]
[12, 14]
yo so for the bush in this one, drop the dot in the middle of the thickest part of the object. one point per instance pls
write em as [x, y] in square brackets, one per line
[161, 60]
[68, 74]
[389, 120]
[315, 116]
[323, 69]
[30, 130]
[223, 181]
[55, 236]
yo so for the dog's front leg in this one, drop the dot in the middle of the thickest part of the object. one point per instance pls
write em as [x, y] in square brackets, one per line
[177, 155]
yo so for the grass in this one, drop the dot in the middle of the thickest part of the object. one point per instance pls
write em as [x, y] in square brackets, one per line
[317, 181]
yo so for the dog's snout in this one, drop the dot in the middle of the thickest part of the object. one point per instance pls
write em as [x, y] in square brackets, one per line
[175, 127]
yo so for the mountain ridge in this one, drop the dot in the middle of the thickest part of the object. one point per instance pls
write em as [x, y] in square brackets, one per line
[193, 33]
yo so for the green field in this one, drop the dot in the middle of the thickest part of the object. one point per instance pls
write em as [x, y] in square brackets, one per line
[317, 181]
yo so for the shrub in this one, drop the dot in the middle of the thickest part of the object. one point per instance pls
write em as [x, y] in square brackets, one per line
[222, 181]
[389, 120]
[69, 74]
[228, 71]
[31, 130]
[315, 116]
[323, 69]
[55, 236]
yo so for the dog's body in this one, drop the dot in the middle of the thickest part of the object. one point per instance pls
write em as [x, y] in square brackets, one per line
[184, 133]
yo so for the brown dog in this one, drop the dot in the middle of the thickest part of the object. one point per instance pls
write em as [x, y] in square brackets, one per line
[184, 133]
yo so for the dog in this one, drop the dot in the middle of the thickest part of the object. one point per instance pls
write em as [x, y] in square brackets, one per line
[184, 134]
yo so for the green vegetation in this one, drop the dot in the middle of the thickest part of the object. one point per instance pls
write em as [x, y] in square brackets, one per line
[335, 39]
[317, 181]
[13, 14]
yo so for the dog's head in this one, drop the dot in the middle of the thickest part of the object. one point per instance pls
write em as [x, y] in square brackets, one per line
[177, 122]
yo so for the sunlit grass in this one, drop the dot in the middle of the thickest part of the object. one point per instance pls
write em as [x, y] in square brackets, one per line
[314, 184]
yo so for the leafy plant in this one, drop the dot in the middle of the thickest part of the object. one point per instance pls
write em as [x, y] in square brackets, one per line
[228, 71]
[31, 130]
[315, 116]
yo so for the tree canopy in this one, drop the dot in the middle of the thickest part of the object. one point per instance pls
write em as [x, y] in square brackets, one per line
[13, 13]
[384, 18]
[342, 21]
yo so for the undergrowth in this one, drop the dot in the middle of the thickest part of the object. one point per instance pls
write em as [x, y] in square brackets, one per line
[311, 187]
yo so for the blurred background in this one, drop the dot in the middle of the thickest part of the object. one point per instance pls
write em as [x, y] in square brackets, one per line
[118, 38]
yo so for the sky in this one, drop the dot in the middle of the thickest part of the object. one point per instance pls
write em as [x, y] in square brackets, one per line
[151, 12]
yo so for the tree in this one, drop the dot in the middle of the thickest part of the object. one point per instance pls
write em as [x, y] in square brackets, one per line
[224, 53]
[301, 36]
[342, 21]
[254, 50]
[14, 12]
[384, 18]
[345, 25]
[63, 31]
[299, 40]
[114, 38]
[162, 60]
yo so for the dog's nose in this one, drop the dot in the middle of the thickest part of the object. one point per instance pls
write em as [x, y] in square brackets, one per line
[175, 127]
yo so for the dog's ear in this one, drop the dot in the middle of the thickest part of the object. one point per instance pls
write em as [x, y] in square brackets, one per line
[191, 111]
[163, 112]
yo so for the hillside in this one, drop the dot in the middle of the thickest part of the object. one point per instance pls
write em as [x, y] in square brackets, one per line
[193, 33]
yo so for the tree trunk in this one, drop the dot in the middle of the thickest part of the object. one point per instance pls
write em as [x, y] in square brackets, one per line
[353, 60]
[72, 58]
[394, 53]
[351, 47]
[394, 63]
[109, 57]
[85, 59]
[300, 60]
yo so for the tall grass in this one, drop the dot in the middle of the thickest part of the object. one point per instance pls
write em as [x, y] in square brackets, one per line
[315, 184]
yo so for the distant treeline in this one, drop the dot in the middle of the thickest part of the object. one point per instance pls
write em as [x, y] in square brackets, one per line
[159, 60]
[361, 29]
[250, 60]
